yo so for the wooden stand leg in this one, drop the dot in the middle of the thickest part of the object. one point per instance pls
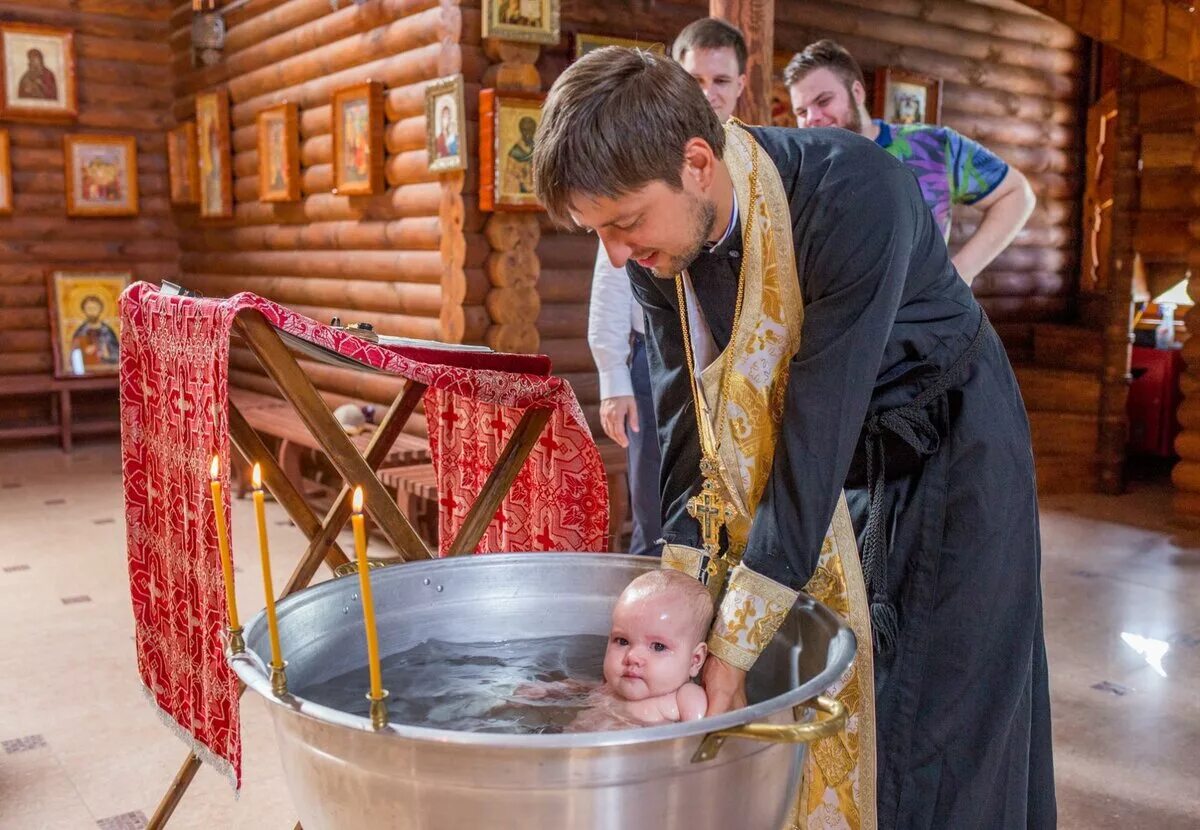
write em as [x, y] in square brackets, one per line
[381, 442]
[170, 801]
[64, 414]
[312, 409]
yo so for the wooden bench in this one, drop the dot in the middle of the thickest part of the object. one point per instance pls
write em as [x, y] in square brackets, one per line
[416, 491]
[415, 486]
[274, 417]
[61, 422]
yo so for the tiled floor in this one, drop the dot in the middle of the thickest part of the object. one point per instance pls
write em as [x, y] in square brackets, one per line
[80, 747]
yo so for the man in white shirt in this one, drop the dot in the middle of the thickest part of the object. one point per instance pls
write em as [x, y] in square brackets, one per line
[714, 53]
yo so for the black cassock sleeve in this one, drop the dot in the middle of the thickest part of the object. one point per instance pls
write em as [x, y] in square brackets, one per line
[853, 258]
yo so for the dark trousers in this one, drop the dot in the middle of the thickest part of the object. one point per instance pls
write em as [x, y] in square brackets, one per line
[645, 459]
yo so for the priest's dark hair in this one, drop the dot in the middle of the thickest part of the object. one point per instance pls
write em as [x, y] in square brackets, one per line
[711, 33]
[824, 54]
[616, 120]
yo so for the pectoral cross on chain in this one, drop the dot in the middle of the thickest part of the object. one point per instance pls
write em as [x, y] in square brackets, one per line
[712, 511]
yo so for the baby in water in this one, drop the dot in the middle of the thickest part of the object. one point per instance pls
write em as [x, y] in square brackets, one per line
[655, 650]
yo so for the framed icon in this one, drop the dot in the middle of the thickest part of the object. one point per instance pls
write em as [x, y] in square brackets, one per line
[39, 72]
[358, 139]
[85, 321]
[585, 43]
[903, 97]
[213, 155]
[101, 175]
[279, 153]
[532, 21]
[182, 167]
[508, 123]
[445, 117]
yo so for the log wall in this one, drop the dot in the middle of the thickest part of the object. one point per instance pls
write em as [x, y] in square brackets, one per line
[123, 86]
[408, 259]
[1013, 79]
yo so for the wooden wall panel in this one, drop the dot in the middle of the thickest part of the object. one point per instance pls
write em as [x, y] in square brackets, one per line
[398, 258]
[123, 80]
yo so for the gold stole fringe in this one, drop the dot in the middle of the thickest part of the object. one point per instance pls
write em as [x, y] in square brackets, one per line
[838, 787]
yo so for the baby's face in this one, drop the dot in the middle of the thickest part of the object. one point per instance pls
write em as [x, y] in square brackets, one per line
[652, 649]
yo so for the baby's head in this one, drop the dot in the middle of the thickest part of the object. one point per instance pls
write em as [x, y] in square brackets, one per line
[658, 635]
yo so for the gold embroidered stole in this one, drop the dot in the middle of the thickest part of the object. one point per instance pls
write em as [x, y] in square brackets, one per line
[741, 398]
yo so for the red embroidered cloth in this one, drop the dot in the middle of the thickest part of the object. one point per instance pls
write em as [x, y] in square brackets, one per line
[174, 396]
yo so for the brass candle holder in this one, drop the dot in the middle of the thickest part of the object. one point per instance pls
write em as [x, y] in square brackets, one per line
[279, 679]
[237, 643]
[379, 711]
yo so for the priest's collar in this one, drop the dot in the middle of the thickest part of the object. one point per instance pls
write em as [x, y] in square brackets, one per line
[728, 239]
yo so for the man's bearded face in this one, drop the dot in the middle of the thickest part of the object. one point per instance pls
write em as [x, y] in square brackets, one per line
[657, 226]
[823, 99]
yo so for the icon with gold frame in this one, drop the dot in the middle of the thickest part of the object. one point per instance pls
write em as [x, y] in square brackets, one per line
[585, 43]
[508, 122]
[182, 167]
[358, 139]
[101, 175]
[445, 118]
[279, 153]
[38, 65]
[213, 155]
[85, 321]
[531, 21]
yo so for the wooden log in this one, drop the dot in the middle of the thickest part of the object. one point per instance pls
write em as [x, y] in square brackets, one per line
[517, 304]
[453, 251]
[23, 318]
[410, 266]
[512, 231]
[507, 268]
[568, 354]
[408, 168]
[871, 52]
[430, 61]
[519, 338]
[153, 53]
[967, 99]
[1010, 22]
[559, 250]
[419, 200]
[24, 340]
[563, 320]
[399, 298]
[416, 233]
[323, 30]
[26, 363]
[917, 30]
[566, 286]
[293, 64]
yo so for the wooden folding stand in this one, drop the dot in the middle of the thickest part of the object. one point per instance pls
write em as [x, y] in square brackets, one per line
[355, 469]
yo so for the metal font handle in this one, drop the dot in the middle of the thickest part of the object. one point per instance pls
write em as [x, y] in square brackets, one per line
[787, 733]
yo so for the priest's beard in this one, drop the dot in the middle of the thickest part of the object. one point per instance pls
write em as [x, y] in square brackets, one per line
[701, 214]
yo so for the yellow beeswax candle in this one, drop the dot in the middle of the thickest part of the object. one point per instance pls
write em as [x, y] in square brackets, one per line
[223, 541]
[364, 582]
[261, 516]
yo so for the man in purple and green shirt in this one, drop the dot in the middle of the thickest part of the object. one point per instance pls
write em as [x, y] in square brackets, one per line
[827, 90]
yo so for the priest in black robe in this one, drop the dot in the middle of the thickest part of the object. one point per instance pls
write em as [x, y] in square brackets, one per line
[900, 394]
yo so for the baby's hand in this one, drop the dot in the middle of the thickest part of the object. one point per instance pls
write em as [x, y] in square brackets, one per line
[692, 702]
[541, 690]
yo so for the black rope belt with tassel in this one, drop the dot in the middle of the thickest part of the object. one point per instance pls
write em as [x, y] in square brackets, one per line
[912, 425]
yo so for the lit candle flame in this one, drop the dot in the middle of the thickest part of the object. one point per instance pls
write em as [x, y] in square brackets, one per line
[357, 502]
[256, 477]
[214, 469]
